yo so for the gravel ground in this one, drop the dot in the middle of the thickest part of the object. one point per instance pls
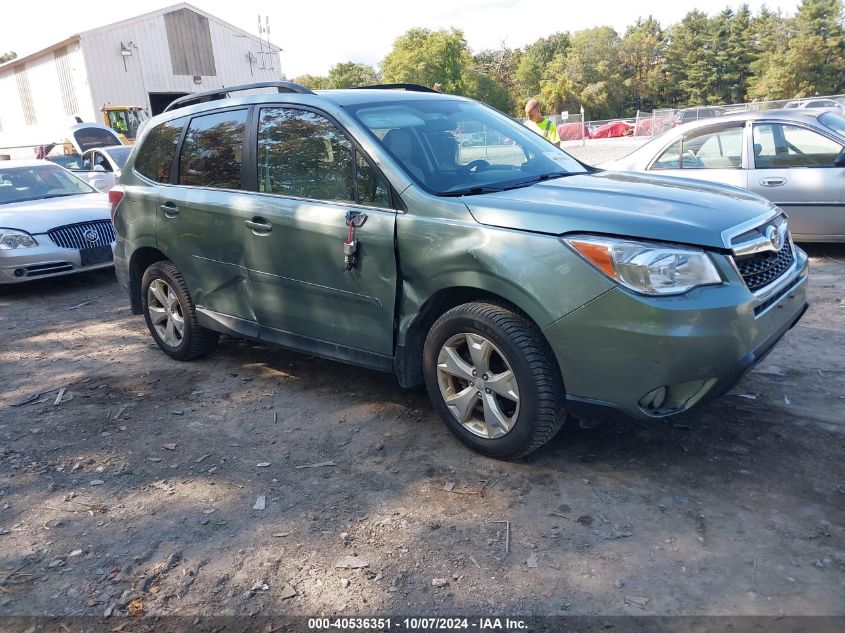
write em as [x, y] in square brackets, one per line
[596, 151]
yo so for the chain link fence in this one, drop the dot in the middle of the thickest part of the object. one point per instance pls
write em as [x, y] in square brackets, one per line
[651, 124]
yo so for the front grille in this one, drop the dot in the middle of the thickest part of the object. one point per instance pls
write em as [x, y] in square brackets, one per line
[760, 269]
[74, 235]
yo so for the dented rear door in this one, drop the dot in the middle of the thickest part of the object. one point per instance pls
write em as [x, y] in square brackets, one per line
[200, 222]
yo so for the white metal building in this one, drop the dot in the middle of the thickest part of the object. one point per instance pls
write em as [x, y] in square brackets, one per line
[145, 61]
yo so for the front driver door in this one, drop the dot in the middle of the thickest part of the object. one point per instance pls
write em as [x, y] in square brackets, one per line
[311, 177]
[794, 168]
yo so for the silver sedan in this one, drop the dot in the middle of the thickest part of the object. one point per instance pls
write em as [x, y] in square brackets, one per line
[795, 158]
[51, 223]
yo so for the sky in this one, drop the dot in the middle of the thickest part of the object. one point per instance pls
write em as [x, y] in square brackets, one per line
[313, 37]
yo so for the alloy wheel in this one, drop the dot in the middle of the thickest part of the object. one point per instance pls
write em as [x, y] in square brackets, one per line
[165, 313]
[478, 385]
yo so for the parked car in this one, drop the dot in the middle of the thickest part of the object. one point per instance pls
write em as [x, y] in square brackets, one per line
[829, 104]
[81, 139]
[696, 114]
[101, 167]
[51, 223]
[795, 158]
[515, 282]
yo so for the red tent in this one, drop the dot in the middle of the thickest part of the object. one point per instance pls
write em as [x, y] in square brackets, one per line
[613, 130]
[572, 131]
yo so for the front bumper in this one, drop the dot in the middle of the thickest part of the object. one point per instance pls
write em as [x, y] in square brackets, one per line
[619, 349]
[45, 260]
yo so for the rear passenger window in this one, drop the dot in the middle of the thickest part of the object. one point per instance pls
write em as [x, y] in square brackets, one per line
[303, 154]
[155, 157]
[211, 151]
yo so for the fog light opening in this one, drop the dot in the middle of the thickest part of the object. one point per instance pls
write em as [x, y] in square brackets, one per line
[20, 272]
[654, 399]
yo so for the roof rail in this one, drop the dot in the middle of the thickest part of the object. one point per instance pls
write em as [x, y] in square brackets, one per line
[223, 92]
[408, 87]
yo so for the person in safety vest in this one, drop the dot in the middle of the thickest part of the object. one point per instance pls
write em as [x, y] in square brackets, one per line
[540, 124]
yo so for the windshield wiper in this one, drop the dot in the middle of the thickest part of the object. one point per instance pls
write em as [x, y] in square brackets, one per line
[536, 179]
[470, 191]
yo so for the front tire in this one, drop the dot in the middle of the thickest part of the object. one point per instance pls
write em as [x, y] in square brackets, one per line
[171, 315]
[494, 380]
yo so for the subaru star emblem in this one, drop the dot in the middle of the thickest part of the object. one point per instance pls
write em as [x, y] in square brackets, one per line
[774, 236]
[91, 235]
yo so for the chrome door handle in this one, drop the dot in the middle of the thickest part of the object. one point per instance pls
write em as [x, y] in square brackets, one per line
[259, 226]
[170, 209]
[772, 182]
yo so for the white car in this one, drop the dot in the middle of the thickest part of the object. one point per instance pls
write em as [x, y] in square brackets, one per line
[795, 158]
[101, 167]
[51, 223]
[829, 104]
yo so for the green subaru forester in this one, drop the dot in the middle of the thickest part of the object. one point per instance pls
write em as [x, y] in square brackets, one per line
[433, 237]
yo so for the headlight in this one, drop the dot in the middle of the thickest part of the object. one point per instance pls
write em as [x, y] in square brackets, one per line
[648, 268]
[10, 239]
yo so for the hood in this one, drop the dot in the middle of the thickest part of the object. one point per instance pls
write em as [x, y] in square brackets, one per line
[631, 205]
[39, 216]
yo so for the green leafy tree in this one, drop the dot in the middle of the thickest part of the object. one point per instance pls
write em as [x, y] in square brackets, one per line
[813, 60]
[642, 52]
[533, 64]
[350, 75]
[426, 57]
[315, 82]
[588, 74]
[491, 78]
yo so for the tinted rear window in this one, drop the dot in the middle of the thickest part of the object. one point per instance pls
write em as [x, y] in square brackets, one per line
[211, 152]
[155, 157]
[91, 137]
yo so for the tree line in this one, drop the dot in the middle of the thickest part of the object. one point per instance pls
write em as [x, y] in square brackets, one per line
[731, 57]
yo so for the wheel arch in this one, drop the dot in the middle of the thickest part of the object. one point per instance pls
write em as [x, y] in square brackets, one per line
[142, 258]
[408, 362]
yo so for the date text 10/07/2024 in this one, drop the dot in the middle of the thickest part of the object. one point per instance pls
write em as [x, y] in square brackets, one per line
[416, 623]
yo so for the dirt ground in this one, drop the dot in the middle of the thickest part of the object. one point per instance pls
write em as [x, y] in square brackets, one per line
[129, 483]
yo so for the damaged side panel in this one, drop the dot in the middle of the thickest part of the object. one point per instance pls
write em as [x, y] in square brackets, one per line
[203, 233]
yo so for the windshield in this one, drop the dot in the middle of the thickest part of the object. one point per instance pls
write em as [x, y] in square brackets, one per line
[834, 121]
[36, 182]
[127, 122]
[455, 147]
[119, 154]
[68, 161]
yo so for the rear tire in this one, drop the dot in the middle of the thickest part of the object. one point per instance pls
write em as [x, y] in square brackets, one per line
[171, 315]
[494, 380]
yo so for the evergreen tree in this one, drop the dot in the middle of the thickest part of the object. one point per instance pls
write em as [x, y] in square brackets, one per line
[690, 61]
[642, 53]
[811, 61]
